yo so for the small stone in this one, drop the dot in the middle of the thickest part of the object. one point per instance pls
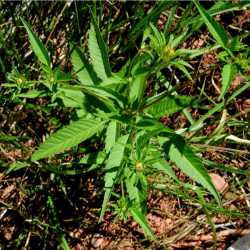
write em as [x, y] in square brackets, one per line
[241, 244]
[219, 182]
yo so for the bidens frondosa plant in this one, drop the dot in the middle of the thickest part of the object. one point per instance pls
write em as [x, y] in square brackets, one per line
[116, 108]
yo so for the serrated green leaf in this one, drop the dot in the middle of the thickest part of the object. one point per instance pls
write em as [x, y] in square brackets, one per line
[163, 166]
[169, 105]
[214, 28]
[67, 137]
[143, 186]
[113, 167]
[218, 8]
[178, 40]
[150, 17]
[15, 166]
[103, 92]
[182, 66]
[132, 190]
[83, 69]
[139, 217]
[157, 39]
[32, 94]
[137, 88]
[61, 77]
[191, 165]
[71, 98]
[7, 138]
[117, 152]
[152, 125]
[170, 19]
[114, 81]
[199, 123]
[228, 73]
[109, 180]
[142, 141]
[221, 7]
[192, 53]
[37, 46]
[111, 135]
[98, 51]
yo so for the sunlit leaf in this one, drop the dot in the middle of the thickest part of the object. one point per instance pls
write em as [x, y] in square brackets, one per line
[98, 51]
[137, 88]
[113, 167]
[228, 73]
[142, 221]
[83, 69]
[67, 137]
[169, 105]
[191, 165]
[37, 46]
[111, 135]
[214, 27]
[163, 166]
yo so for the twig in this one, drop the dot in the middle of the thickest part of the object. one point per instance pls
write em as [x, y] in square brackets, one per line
[220, 235]
[214, 84]
[196, 239]
[27, 241]
[222, 149]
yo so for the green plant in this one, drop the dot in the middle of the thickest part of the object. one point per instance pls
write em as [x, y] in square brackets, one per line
[115, 108]
[205, 105]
